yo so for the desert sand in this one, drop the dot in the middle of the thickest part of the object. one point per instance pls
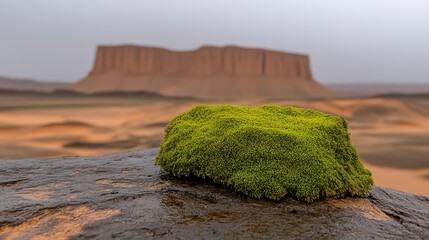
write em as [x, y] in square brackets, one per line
[391, 133]
[29, 85]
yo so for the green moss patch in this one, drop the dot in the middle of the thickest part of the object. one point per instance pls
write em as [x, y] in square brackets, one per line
[268, 151]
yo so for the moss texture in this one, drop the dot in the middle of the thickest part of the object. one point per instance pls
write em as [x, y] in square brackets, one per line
[268, 151]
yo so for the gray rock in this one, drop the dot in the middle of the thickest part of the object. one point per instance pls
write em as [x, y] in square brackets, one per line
[124, 196]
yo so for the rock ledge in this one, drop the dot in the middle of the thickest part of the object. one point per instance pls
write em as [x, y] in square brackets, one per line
[125, 196]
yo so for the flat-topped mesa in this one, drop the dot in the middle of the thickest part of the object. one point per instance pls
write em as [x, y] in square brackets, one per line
[208, 72]
[205, 61]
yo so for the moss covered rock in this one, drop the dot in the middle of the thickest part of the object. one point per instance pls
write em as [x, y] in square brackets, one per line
[268, 151]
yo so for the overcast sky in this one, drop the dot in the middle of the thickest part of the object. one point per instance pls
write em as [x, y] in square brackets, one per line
[348, 41]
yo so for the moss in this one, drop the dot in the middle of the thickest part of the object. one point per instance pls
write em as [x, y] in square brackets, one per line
[268, 151]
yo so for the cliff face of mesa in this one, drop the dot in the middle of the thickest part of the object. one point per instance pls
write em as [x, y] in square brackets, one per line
[212, 72]
[206, 61]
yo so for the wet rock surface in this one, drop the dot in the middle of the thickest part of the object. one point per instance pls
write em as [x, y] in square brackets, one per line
[124, 196]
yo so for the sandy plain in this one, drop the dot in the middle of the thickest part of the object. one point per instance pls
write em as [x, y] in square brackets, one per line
[391, 133]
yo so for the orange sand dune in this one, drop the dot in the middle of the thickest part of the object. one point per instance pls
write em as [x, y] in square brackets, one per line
[414, 181]
[391, 134]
